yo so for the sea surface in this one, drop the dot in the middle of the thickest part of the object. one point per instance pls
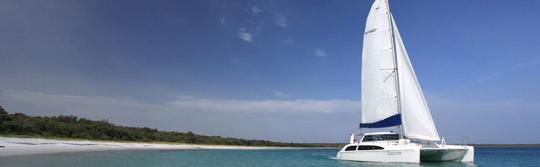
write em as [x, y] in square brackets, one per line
[253, 158]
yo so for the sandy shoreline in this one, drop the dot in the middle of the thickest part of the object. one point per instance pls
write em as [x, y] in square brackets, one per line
[10, 146]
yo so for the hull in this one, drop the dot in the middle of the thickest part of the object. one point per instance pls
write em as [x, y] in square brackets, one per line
[410, 153]
[448, 153]
[388, 152]
[405, 155]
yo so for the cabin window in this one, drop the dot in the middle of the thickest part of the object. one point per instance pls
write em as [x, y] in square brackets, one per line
[351, 148]
[390, 137]
[369, 138]
[370, 148]
[381, 137]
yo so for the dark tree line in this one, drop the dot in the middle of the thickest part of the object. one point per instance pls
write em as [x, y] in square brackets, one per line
[81, 128]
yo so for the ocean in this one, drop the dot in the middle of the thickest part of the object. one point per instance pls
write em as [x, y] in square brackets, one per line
[489, 157]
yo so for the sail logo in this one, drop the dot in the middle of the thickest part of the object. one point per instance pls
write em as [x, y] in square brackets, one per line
[370, 31]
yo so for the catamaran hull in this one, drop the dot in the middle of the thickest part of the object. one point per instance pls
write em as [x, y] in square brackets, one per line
[409, 155]
[448, 154]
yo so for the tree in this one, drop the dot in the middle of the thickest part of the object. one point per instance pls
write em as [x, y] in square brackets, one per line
[81, 128]
[3, 114]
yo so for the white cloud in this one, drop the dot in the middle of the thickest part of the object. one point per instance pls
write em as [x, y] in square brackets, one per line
[44, 99]
[254, 25]
[93, 107]
[108, 105]
[280, 20]
[320, 52]
[244, 35]
[294, 106]
[280, 94]
[255, 10]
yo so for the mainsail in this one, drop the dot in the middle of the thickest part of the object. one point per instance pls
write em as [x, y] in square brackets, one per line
[391, 94]
[379, 87]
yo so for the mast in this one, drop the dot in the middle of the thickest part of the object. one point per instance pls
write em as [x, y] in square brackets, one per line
[394, 54]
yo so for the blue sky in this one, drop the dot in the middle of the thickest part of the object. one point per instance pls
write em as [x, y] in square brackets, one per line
[278, 70]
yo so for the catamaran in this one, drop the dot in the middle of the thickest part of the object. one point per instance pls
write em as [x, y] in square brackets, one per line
[392, 97]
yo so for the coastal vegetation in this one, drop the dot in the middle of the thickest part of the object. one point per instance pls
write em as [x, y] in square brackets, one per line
[73, 127]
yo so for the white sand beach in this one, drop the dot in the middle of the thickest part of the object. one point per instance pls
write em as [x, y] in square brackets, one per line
[10, 146]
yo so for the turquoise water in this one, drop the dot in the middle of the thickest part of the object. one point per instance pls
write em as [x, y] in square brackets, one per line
[251, 158]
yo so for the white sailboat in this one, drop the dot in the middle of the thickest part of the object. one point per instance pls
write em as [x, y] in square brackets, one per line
[392, 97]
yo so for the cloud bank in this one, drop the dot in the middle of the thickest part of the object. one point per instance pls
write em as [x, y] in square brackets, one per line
[304, 119]
[180, 103]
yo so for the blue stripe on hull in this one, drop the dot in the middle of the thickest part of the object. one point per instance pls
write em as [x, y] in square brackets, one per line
[393, 120]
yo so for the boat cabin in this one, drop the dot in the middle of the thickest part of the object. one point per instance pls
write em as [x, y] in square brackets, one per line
[363, 143]
[373, 137]
[380, 137]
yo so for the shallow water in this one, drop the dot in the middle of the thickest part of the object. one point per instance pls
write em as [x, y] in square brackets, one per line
[249, 158]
